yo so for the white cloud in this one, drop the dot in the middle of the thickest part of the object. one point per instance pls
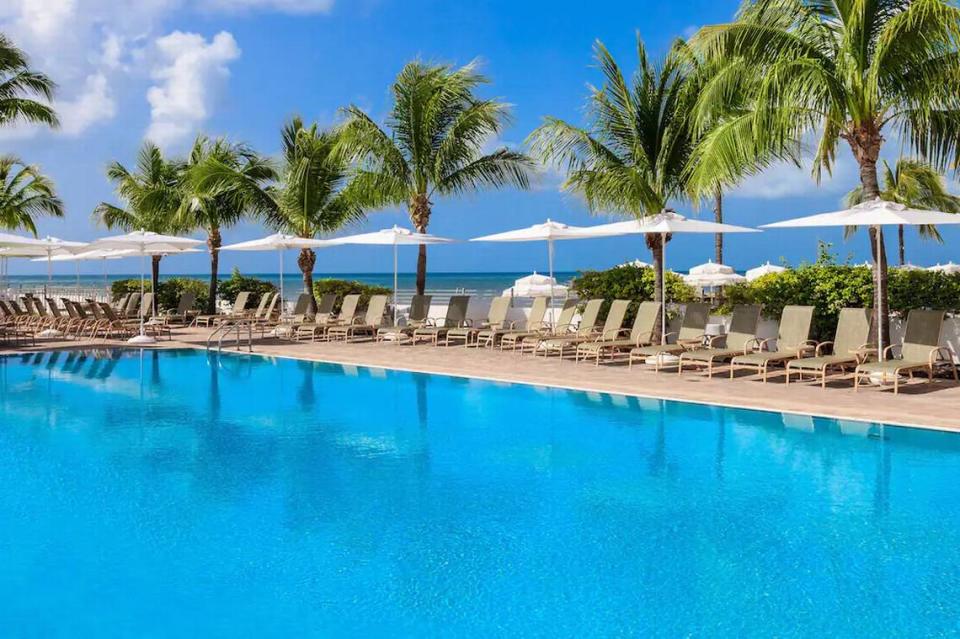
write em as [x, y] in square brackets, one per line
[94, 104]
[786, 180]
[282, 6]
[190, 73]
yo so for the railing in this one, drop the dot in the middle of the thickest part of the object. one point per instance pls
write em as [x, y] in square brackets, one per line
[74, 293]
[234, 326]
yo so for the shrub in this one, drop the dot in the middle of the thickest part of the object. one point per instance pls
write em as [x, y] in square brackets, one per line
[119, 288]
[230, 288]
[170, 290]
[628, 283]
[347, 287]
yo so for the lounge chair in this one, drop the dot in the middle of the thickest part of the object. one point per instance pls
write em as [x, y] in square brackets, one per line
[238, 310]
[496, 319]
[112, 324]
[739, 340]
[302, 314]
[184, 313]
[132, 307]
[640, 334]
[435, 329]
[367, 325]
[121, 303]
[850, 347]
[690, 335]
[529, 341]
[416, 317]
[267, 319]
[585, 330]
[920, 351]
[318, 329]
[534, 324]
[793, 342]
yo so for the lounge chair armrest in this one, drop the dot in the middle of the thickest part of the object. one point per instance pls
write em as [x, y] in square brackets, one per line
[747, 349]
[889, 349]
[940, 353]
[821, 347]
[762, 344]
[713, 339]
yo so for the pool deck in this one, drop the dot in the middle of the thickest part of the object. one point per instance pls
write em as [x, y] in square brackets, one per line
[919, 404]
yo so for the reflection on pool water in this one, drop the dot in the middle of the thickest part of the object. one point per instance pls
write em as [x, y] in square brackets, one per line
[182, 493]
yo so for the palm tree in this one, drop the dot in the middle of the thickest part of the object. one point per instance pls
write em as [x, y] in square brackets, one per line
[151, 196]
[432, 146]
[842, 71]
[917, 185]
[19, 88]
[632, 157]
[24, 194]
[223, 183]
[314, 194]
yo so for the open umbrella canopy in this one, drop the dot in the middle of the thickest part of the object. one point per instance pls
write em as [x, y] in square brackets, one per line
[872, 213]
[145, 243]
[534, 285]
[548, 231]
[278, 242]
[8, 240]
[666, 223]
[908, 267]
[948, 269]
[396, 236]
[764, 269]
[635, 264]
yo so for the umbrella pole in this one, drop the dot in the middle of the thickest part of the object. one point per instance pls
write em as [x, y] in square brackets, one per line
[282, 307]
[143, 271]
[663, 286]
[553, 314]
[879, 295]
[395, 284]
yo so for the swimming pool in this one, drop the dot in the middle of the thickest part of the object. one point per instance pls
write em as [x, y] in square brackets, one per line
[182, 493]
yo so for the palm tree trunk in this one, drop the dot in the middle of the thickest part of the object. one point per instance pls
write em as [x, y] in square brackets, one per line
[214, 242]
[718, 218]
[155, 278]
[865, 142]
[901, 246]
[655, 244]
[420, 217]
[306, 261]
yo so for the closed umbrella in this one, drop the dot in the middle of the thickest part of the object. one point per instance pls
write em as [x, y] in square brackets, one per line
[395, 237]
[763, 269]
[549, 232]
[876, 213]
[144, 243]
[666, 223]
[279, 242]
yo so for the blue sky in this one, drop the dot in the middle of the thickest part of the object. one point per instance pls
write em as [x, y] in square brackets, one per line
[172, 68]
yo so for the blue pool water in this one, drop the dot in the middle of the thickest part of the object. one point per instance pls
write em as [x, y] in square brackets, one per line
[185, 494]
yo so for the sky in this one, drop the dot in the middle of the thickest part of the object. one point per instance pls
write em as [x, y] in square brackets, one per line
[169, 69]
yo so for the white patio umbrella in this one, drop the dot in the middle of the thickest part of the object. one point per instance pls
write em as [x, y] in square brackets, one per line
[763, 269]
[48, 247]
[712, 274]
[908, 267]
[534, 285]
[666, 223]
[395, 237]
[635, 264]
[279, 242]
[876, 213]
[948, 269]
[549, 232]
[144, 243]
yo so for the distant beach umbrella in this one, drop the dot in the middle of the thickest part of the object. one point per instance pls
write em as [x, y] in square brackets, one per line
[948, 269]
[279, 242]
[908, 267]
[144, 243]
[876, 213]
[712, 274]
[395, 237]
[763, 269]
[635, 264]
[535, 285]
[666, 223]
[549, 232]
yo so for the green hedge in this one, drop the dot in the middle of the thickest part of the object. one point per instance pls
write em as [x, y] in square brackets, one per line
[347, 287]
[628, 283]
[170, 290]
[119, 288]
[230, 288]
[829, 287]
